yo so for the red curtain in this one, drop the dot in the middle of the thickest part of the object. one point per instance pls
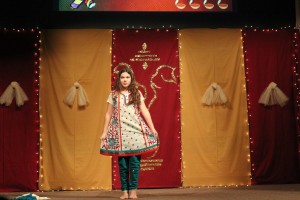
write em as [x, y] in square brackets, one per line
[273, 137]
[153, 56]
[19, 135]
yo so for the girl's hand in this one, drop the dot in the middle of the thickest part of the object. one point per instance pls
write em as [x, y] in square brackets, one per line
[154, 132]
[103, 136]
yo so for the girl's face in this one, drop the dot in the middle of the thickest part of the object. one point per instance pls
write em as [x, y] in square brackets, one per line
[125, 80]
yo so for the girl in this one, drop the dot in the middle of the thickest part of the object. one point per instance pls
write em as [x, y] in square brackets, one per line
[125, 133]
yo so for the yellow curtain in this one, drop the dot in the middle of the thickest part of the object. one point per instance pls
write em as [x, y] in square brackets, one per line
[214, 138]
[69, 146]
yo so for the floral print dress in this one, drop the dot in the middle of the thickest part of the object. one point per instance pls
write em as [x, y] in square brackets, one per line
[127, 133]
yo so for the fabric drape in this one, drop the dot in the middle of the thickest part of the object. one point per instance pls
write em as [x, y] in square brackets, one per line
[272, 129]
[70, 134]
[215, 143]
[14, 90]
[19, 134]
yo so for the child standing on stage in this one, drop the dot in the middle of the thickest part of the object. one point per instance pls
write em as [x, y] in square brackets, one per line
[125, 133]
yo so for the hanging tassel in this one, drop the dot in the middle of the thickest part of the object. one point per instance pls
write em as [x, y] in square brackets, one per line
[81, 96]
[13, 90]
[214, 95]
[272, 95]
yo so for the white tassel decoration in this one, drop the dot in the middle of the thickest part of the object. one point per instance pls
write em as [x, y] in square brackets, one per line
[214, 95]
[272, 95]
[81, 96]
[12, 91]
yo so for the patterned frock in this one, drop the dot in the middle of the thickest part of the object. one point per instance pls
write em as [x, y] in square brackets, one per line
[127, 133]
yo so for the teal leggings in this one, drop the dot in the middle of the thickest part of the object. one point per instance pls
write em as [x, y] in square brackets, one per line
[129, 168]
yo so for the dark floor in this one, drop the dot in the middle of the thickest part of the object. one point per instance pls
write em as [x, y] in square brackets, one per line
[257, 192]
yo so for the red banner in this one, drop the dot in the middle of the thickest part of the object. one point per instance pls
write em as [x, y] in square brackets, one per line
[148, 6]
[153, 56]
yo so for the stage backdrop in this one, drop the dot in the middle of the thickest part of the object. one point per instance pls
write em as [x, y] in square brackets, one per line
[19, 126]
[269, 58]
[153, 56]
[70, 135]
[215, 142]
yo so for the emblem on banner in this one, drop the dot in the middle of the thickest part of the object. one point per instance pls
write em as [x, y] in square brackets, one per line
[145, 56]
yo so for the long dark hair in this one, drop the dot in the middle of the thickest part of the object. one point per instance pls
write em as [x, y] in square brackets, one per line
[135, 97]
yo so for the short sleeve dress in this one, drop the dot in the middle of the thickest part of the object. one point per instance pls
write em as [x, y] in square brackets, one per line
[127, 134]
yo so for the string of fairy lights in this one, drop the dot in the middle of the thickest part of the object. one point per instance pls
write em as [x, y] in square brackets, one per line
[295, 69]
[179, 94]
[183, 164]
[246, 59]
[246, 121]
[245, 66]
[246, 69]
[37, 58]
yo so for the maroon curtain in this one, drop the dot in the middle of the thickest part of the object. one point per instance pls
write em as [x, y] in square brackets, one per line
[19, 134]
[153, 56]
[273, 137]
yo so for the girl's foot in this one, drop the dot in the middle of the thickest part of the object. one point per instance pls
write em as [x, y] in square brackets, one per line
[132, 194]
[124, 195]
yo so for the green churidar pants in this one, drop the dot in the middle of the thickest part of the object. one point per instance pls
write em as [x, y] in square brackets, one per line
[129, 168]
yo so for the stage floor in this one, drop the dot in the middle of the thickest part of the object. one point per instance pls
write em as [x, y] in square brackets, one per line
[257, 192]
